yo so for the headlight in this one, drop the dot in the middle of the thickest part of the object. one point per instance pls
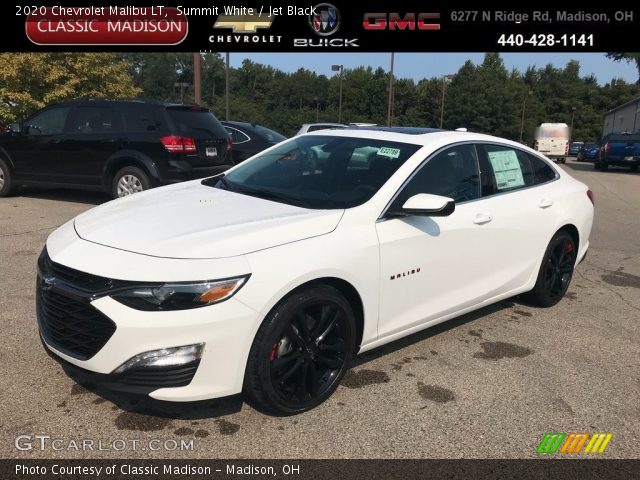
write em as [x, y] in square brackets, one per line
[180, 296]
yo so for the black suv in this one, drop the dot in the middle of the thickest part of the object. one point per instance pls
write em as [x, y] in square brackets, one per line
[120, 146]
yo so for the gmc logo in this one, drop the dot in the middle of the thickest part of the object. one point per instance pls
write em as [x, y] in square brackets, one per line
[393, 21]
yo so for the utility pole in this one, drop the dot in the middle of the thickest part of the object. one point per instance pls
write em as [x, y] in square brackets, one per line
[445, 79]
[197, 77]
[390, 105]
[226, 86]
[524, 105]
[339, 68]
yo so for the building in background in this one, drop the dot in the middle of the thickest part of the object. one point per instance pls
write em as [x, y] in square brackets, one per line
[625, 118]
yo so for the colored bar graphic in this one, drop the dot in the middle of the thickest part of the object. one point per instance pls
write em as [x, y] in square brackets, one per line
[573, 443]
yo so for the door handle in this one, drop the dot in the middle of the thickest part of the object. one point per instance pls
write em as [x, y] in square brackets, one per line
[482, 218]
[545, 203]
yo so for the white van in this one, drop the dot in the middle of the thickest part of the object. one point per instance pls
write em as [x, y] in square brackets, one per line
[552, 139]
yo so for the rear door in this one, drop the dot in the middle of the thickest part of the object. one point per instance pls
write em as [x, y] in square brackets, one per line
[213, 143]
[520, 206]
[95, 135]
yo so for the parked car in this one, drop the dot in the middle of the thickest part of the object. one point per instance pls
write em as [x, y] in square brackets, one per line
[588, 153]
[269, 278]
[552, 139]
[621, 149]
[314, 127]
[575, 147]
[119, 146]
[250, 138]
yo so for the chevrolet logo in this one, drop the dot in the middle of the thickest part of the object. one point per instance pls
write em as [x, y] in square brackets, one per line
[242, 23]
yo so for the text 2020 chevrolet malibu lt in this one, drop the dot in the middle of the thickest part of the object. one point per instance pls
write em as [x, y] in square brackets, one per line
[270, 278]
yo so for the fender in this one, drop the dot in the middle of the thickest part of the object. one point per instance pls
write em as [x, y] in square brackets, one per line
[132, 157]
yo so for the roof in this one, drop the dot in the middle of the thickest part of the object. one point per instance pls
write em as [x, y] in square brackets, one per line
[630, 102]
[405, 130]
[324, 123]
[233, 123]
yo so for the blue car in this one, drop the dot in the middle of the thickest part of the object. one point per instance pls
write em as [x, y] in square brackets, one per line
[575, 148]
[588, 153]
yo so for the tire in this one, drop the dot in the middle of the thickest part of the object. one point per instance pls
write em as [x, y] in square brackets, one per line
[301, 351]
[596, 166]
[634, 168]
[129, 180]
[556, 271]
[604, 166]
[6, 181]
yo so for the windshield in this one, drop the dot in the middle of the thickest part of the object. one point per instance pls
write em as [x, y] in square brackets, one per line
[270, 135]
[321, 172]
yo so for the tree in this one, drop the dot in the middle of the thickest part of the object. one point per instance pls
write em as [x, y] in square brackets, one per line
[29, 81]
[628, 57]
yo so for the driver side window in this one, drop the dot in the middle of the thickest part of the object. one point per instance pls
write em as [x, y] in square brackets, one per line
[49, 122]
[451, 173]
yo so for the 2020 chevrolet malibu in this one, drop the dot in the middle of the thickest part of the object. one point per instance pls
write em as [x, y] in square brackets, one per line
[268, 279]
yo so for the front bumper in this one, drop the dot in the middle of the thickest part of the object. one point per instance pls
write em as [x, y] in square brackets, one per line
[227, 329]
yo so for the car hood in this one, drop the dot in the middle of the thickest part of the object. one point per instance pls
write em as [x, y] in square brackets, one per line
[191, 220]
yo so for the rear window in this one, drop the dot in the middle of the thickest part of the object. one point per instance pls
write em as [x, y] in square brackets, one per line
[190, 121]
[269, 134]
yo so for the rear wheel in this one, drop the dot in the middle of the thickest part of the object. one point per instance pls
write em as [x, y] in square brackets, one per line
[5, 179]
[634, 168]
[604, 166]
[301, 351]
[555, 272]
[129, 180]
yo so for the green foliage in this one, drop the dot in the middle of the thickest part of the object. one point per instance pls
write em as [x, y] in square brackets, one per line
[29, 81]
[484, 98]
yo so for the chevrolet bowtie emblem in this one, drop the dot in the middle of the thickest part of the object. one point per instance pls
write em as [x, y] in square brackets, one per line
[242, 23]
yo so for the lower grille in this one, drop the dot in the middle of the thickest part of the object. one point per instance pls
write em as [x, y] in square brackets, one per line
[163, 377]
[73, 327]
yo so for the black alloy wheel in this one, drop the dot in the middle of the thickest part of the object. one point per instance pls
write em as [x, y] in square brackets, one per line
[556, 271]
[301, 351]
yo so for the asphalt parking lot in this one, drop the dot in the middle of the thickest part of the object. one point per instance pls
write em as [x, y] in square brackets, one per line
[489, 384]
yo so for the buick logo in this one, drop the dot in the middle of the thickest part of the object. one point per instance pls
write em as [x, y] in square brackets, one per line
[48, 282]
[325, 20]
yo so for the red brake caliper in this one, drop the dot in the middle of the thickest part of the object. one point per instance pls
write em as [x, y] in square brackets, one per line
[568, 247]
[274, 351]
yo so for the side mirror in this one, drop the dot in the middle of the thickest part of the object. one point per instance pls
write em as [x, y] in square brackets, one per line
[15, 128]
[427, 205]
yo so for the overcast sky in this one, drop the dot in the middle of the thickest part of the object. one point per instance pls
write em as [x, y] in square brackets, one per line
[421, 65]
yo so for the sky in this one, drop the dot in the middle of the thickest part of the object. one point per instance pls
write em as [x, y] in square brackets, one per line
[426, 65]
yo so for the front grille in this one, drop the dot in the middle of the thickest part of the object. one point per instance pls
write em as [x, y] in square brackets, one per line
[162, 377]
[71, 326]
[80, 280]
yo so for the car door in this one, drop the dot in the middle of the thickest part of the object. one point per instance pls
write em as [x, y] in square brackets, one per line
[94, 136]
[522, 204]
[38, 150]
[433, 266]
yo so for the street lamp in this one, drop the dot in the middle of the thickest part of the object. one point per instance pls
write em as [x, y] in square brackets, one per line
[317, 100]
[445, 79]
[524, 106]
[339, 68]
[573, 112]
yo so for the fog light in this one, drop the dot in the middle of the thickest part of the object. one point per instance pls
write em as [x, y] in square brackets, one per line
[165, 357]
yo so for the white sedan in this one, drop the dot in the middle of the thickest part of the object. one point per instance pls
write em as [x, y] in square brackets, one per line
[270, 278]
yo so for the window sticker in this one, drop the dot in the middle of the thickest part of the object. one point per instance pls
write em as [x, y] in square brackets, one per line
[507, 169]
[389, 152]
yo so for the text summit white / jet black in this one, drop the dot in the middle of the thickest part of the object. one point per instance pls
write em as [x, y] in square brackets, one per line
[270, 278]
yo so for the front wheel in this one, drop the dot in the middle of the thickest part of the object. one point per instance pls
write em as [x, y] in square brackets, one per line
[555, 272]
[129, 180]
[301, 351]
